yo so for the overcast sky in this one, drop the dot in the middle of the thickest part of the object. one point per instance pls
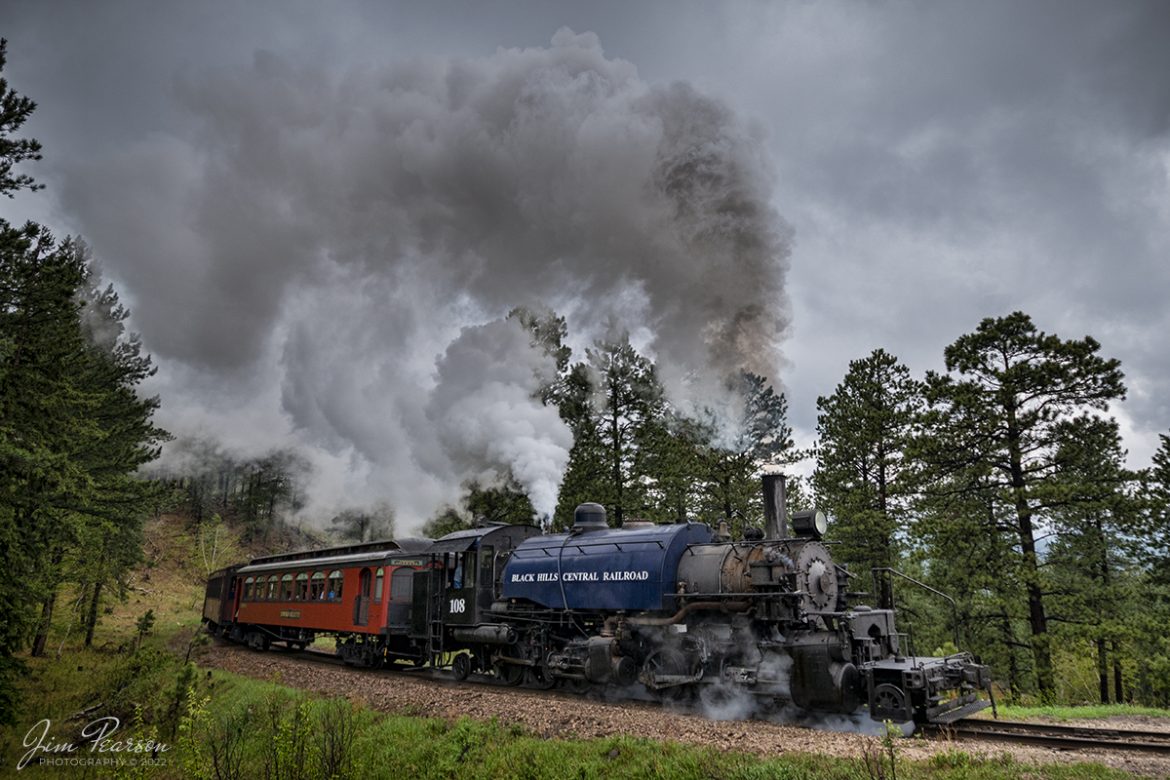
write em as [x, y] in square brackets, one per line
[912, 167]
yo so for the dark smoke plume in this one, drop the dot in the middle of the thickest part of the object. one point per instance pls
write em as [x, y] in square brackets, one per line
[324, 259]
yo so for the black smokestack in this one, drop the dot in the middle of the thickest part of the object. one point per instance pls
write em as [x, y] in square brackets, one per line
[775, 509]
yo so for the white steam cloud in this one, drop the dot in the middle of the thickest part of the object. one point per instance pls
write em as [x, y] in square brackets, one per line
[483, 411]
[323, 262]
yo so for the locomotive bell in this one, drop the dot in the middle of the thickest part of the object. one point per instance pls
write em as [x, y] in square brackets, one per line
[810, 523]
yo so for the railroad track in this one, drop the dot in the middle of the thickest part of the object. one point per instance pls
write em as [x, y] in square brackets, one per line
[1056, 736]
[443, 678]
[1053, 736]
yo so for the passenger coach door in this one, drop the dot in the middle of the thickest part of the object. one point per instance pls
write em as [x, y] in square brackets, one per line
[361, 604]
[401, 596]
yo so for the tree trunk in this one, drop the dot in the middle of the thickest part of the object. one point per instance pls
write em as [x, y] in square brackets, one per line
[82, 598]
[616, 454]
[1102, 671]
[1009, 642]
[42, 635]
[1037, 617]
[91, 615]
[1118, 691]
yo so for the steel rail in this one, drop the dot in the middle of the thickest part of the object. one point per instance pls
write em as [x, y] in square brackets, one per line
[1056, 736]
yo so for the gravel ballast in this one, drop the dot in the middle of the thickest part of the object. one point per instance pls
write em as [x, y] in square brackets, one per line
[554, 714]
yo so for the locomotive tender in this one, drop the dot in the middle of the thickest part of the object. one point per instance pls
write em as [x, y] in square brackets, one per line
[680, 609]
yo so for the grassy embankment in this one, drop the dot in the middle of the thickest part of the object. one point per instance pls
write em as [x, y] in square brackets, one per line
[222, 725]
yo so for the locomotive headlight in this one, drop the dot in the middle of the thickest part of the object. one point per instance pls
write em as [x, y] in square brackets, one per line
[810, 523]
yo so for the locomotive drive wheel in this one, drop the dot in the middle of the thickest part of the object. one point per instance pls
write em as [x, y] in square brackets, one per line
[511, 674]
[677, 694]
[574, 685]
[541, 678]
[669, 662]
[461, 666]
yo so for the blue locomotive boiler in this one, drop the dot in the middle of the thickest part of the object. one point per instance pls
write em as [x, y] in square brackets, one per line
[599, 569]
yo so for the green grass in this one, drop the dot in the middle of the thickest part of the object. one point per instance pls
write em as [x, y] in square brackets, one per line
[1068, 712]
[266, 728]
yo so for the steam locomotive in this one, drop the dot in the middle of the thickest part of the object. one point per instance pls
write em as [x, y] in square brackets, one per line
[680, 610]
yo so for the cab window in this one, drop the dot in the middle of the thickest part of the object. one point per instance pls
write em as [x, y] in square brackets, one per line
[467, 564]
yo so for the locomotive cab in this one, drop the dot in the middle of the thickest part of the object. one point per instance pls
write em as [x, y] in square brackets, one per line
[453, 600]
[471, 563]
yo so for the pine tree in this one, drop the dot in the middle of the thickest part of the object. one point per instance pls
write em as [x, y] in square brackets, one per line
[1152, 641]
[963, 544]
[587, 477]
[1157, 497]
[672, 458]
[863, 476]
[15, 109]
[1092, 561]
[627, 400]
[730, 470]
[104, 522]
[44, 424]
[997, 416]
[73, 431]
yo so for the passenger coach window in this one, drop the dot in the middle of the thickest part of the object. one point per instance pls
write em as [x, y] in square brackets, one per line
[302, 586]
[286, 587]
[335, 585]
[249, 584]
[317, 586]
[378, 586]
[272, 586]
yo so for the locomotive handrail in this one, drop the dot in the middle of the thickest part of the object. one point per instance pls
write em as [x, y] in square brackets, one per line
[954, 605]
[584, 547]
